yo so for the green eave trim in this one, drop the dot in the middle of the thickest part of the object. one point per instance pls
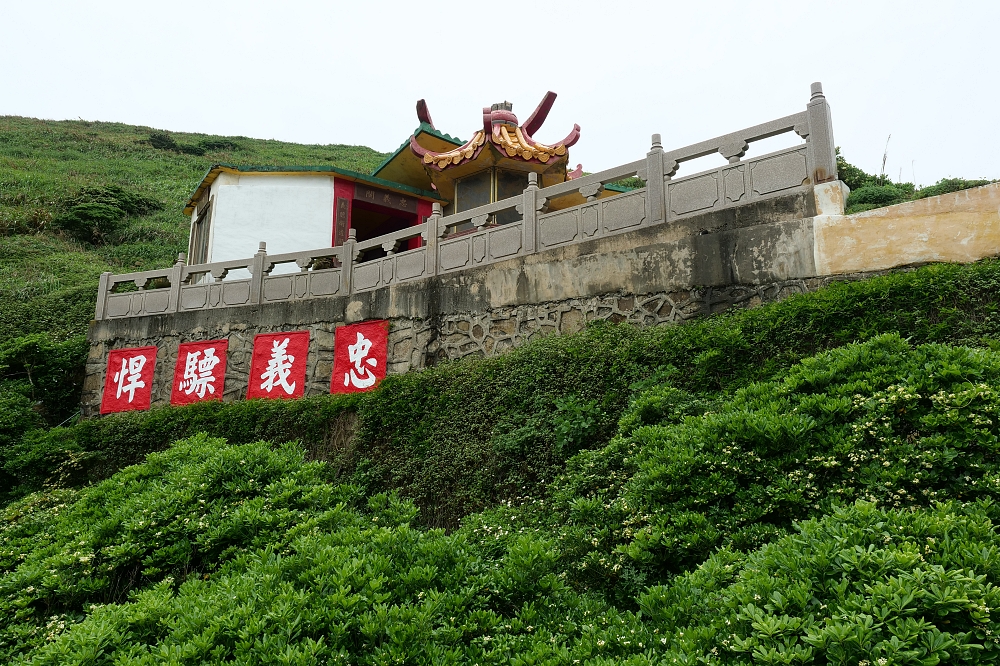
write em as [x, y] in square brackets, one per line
[423, 128]
[216, 169]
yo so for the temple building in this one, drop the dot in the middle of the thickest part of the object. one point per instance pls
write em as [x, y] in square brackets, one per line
[297, 208]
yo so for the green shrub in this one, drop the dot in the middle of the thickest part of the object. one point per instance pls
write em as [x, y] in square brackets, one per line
[864, 585]
[48, 372]
[94, 214]
[946, 185]
[162, 141]
[871, 196]
[879, 421]
[216, 143]
[94, 449]
[189, 149]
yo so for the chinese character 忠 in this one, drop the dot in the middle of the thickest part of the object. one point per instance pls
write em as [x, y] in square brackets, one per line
[132, 373]
[358, 351]
[279, 367]
[198, 373]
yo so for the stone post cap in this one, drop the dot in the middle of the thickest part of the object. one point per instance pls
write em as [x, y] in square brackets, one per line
[262, 246]
[657, 142]
[816, 91]
[352, 234]
[435, 209]
[532, 179]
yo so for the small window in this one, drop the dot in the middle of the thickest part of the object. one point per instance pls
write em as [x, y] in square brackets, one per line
[473, 191]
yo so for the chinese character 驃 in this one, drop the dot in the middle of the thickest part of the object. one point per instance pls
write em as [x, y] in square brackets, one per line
[358, 351]
[198, 375]
[131, 372]
[279, 367]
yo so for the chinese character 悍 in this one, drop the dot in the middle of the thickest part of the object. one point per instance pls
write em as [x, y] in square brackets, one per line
[358, 351]
[198, 373]
[131, 372]
[279, 367]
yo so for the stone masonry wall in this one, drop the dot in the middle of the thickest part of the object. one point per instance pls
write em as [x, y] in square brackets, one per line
[416, 342]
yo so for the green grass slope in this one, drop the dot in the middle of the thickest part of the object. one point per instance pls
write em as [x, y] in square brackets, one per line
[45, 168]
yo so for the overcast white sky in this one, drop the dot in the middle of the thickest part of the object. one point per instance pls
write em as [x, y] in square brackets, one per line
[339, 72]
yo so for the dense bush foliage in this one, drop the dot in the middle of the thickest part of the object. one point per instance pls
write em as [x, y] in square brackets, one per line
[40, 382]
[211, 553]
[878, 421]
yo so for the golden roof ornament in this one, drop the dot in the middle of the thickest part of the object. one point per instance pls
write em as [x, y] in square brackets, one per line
[500, 127]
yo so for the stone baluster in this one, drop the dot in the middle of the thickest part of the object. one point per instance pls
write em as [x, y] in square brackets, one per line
[432, 233]
[655, 203]
[351, 252]
[820, 146]
[531, 205]
[387, 270]
[102, 295]
[176, 276]
[257, 273]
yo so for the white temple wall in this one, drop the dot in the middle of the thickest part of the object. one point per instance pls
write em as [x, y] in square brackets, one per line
[290, 213]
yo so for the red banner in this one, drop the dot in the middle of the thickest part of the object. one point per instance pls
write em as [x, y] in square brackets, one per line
[360, 354]
[278, 368]
[200, 373]
[128, 383]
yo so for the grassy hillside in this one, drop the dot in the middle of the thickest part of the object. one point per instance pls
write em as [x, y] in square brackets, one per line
[49, 170]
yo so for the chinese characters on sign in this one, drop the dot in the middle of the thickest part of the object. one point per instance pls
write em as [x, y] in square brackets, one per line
[278, 367]
[128, 382]
[385, 198]
[359, 356]
[200, 373]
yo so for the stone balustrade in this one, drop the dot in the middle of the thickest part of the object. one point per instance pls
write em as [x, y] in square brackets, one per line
[342, 270]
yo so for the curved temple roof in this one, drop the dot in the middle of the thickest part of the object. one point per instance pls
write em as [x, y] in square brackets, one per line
[500, 127]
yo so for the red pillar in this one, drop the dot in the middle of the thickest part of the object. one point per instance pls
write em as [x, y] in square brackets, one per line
[343, 199]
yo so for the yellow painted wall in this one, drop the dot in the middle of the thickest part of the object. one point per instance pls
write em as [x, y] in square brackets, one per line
[961, 227]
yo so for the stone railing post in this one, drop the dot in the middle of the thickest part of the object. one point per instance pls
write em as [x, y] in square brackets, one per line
[176, 274]
[529, 209]
[347, 263]
[102, 295]
[655, 203]
[257, 273]
[431, 235]
[821, 148]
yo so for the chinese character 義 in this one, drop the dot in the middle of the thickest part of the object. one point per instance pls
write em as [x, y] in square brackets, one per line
[279, 367]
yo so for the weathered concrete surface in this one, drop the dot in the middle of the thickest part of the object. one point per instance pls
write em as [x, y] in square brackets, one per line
[960, 227]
